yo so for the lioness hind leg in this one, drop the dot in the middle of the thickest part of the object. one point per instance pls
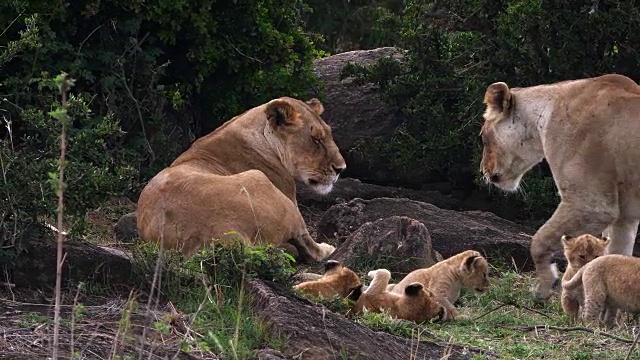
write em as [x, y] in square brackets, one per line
[566, 220]
[623, 234]
[309, 250]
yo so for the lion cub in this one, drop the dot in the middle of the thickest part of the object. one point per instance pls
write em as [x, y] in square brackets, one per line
[446, 278]
[610, 283]
[415, 304]
[579, 251]
[337, 280]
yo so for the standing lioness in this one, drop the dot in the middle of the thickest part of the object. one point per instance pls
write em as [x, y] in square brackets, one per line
[239, 181]
[589, 132]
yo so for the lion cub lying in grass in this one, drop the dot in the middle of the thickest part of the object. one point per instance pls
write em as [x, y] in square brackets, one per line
[610, 283]
[415, 304]
[337, 280]
[579, 251]
[445, 278]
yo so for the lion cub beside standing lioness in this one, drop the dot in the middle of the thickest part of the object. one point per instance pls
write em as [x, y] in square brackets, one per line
[446, 278]
[579, 251]
[610, 282]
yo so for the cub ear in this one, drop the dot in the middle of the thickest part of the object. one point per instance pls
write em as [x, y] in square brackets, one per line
[280, 113]
[330, 265]
[498, 97]
[316, 106]
[354, 295]
[566, 240]
[606, 240]
[413, 289]
[470, 262]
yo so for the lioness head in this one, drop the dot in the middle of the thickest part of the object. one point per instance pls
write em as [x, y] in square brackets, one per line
[474, 272]
[582, 249]
[304, 142]
[510, 148]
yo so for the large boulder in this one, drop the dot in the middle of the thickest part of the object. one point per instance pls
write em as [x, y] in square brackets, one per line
[451, 231]
[346, 189]
[315, 333]
[356, 112]
[398, 244]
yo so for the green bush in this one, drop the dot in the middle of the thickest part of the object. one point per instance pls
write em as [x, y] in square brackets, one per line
[151, 76]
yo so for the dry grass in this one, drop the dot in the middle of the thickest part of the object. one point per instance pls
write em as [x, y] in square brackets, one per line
[108, 330]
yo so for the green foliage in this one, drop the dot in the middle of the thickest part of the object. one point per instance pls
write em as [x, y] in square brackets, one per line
[210, 285]
[455, 49]
[150, 77]
[344, 25]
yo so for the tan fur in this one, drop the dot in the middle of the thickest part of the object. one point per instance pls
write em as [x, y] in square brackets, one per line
[588, 130]
[239, 181]
[338, 280]
[445, 278]
[416, 304]
[610, 282]
[579, 251]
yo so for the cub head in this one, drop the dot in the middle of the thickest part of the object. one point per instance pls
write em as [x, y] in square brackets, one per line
[582, 249]
[304, 142]
[341, 277]
[474, 271]
[509, 147]
[422, 302]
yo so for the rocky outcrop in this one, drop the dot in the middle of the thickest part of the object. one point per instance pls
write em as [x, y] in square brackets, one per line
[355, 111]
[451, 231]
[346, 189]
[398, 244]
[316, 333]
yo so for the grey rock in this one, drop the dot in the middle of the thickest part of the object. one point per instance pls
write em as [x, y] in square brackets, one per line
[398, 243]
[451, 231]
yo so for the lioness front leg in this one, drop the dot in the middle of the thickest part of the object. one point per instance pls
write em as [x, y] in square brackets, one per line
[309, 250]
[566, 220]
[623, 235]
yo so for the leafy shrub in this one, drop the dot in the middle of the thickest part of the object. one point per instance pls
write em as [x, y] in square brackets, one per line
[151, 76]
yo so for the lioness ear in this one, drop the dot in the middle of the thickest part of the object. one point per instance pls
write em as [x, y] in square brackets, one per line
[330, 265]
[280, 113]
[316, 106]
[498, 97]
[413, 289]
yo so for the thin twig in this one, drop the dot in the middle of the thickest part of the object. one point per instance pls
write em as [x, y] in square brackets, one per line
[566, 329]
[490, 311]
[633, 345]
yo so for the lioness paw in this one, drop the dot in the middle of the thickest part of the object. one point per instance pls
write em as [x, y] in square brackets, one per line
[326, 249]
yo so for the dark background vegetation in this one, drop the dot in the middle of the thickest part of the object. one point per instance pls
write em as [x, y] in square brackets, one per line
[151, 76]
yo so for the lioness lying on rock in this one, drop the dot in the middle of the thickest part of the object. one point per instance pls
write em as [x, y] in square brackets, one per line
[445, 279]
[588, 130]
[415, 303]
[610, 283]
[579, 251]
[337, 280]
[239, 181]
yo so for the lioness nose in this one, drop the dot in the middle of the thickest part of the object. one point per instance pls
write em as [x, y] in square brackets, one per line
[338, 169]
